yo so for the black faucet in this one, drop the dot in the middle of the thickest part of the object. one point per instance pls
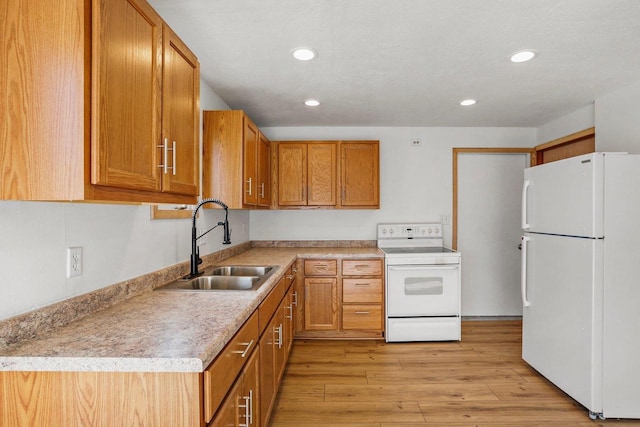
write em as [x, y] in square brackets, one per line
[195, 253]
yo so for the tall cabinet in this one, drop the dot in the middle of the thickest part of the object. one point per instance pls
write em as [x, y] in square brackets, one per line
[93, 104]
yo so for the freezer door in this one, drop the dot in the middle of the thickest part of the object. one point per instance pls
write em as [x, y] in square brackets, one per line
[565, 197]
[562, 316]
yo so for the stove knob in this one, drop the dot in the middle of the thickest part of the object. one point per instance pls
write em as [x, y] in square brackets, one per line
[429, 230]
[391, 231]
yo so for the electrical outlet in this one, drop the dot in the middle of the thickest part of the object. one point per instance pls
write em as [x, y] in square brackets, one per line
[74, 261]
[416, 142]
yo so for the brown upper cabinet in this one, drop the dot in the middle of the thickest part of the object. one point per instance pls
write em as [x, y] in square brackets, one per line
[103, 108]
[237, 160]
[310, 176]
[360, 169]
[307, 174]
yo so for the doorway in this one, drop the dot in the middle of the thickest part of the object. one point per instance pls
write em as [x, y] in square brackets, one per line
[487, 185]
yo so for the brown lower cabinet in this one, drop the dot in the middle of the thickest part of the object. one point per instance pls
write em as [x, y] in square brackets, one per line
[242, 405]
[237, 389]
[275, 345]
[341, 298]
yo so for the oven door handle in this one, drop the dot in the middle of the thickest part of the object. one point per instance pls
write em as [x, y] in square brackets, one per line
[425, 267]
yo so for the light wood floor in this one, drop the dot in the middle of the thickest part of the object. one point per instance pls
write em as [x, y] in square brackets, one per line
[480, 381]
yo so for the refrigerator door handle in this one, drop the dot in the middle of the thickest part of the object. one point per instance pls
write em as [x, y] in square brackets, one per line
[523, 272]
[525, 191]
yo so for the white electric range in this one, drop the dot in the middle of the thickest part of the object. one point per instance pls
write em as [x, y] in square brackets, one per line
[422, 298]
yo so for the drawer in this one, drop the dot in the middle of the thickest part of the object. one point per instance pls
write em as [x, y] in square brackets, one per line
[269, 305]
[362, 267]
[362, 317]
[320, 267]
[363, 290]
[222, 372]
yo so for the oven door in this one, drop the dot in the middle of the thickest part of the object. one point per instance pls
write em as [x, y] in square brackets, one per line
[423, 290]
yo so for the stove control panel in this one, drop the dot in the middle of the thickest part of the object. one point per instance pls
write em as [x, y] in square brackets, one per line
[410, 231]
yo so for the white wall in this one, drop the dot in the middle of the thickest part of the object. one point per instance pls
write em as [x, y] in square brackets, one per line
[119, 242]
[415, 182]
[576, 121]
[617, 119]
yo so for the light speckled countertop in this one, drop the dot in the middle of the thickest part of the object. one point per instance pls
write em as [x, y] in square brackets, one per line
[160, 331]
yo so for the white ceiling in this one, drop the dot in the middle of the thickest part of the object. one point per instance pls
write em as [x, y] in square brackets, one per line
[410, 62]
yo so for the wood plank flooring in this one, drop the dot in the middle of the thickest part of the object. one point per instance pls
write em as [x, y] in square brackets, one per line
[480, 381]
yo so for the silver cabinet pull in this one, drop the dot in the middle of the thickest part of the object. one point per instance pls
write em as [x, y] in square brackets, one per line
[363, 284]
[250, 185]
[290, 307]
[165, 148]
[279, 332]
[174, 167]
[294, 269]
[244, 352]
[165, 156]
[262, 190]
[247, 410]
[362, 312]
[295, 298]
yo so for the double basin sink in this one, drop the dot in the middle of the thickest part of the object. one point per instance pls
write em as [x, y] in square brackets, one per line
[227, 278]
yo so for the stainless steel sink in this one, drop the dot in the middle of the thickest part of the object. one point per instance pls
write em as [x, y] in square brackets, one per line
[228, 278]
[239, 270]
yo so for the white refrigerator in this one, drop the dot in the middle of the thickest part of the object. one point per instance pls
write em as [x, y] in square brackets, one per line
[581, 279]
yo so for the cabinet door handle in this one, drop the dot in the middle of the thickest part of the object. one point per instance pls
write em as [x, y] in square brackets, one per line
[174, 167]
[295, 298]
[362, 312]
[250, 406]
[294, 269]
[250, 185]
[247, 410]
[262, 190]
[278, 330]
[165, 154]
[290, 307]
[244, 352]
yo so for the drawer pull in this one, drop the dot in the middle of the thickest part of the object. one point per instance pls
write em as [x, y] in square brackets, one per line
[290, 277]
[361, 266]
[362, 312]
[278, 330]
[295, 298]
[246, 350]
[363, 284]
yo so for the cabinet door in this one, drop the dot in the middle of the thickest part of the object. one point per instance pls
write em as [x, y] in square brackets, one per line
[292, 174]
[250, 416]
[230, 413]
[320, 303]
[126, 102]
[322, 174]
[180, 117]
[360, 173]
[241, 406]
[267, 370]
[264, 171]
[250, 162]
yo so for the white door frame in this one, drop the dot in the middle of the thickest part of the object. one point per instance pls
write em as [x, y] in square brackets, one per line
[477, 150]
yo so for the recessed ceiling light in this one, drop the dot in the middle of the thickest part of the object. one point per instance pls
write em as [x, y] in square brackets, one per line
[523, 56]
[304, 53]
[467, 102]
[312, 102]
